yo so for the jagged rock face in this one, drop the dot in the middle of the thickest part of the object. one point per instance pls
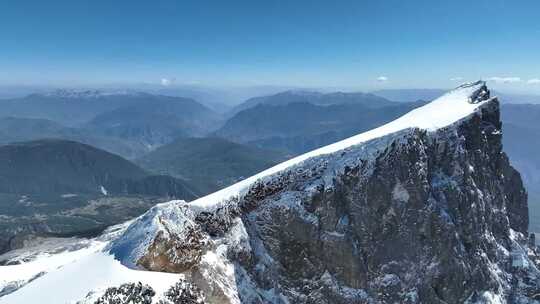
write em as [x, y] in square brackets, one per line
[171, 254]
[427, 222]
[413, 217]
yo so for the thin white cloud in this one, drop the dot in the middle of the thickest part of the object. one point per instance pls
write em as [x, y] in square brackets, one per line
[167, 81]
[382, 79]
[505, 79]
[456, 79]
[534, 81]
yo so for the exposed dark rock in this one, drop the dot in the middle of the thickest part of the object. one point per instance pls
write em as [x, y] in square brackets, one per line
[183, 292]
[217, 222]
[132, 293]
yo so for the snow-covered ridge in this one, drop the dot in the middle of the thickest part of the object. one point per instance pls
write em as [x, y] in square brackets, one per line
[448, 109]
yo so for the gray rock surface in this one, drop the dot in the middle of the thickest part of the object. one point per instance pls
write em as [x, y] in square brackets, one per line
[412, 217]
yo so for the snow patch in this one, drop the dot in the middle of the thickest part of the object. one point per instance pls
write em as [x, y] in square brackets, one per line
[43, 263]
[103, 190]
[85, 278]
[399, 193]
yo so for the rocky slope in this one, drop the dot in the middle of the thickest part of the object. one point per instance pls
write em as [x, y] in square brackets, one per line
[425, 209]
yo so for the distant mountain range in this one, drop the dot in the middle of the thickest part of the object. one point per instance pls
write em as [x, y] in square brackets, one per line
[127, 123]
[315, 98]
[408, 95]
[156, 121]
[69, 108]
[301, 126]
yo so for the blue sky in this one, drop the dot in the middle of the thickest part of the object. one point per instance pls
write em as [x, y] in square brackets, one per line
[360, 44]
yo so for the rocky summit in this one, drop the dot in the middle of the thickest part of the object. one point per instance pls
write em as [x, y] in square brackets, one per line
[425, 209]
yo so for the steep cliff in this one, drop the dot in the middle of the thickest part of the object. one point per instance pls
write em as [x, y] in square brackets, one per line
[425, 209]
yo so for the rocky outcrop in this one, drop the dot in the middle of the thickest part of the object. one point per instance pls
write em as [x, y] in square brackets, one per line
[414, 216]
[182, 292]
[172, 254]
[135, 293]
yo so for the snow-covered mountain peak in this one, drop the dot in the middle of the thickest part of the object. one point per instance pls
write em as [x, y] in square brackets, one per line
[424, 209]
